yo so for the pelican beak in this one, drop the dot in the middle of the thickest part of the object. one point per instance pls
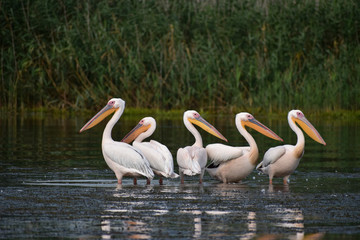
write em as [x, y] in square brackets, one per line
[309, 129]
[136, 131]
[261, 128]
[106, 111]
[199, 121]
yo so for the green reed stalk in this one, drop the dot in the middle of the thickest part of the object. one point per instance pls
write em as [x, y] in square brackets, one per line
[212, 55]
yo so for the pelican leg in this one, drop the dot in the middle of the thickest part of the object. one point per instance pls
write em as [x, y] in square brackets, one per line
[161, 181]
[286, 180]
[271, 188]
[201, 176]
[181, 176]
[271, 175]
[119, 181]
[148, 181]
[135, 181]
[182, 179]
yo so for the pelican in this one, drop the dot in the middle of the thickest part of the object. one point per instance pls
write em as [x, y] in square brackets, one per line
[232, 164]
[122, 158]
[192, 159]
[281, 161]
[159, 156]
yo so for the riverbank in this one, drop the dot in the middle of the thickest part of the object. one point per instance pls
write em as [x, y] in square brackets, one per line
[263, 56]
[137, 113]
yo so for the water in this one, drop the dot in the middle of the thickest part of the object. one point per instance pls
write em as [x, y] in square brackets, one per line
[55, 183]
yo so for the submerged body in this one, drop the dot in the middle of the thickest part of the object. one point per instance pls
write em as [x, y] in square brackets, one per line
[281, 161]
[232, 164]
[158, 155]
[122, 158]
[192, 159]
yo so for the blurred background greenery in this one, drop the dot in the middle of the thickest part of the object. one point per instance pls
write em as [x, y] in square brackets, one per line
[220, 56]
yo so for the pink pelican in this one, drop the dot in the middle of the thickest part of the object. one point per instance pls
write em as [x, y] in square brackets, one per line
[192, 159]
[158, 155]
[281, 161]
[122, 158]
[232, 164]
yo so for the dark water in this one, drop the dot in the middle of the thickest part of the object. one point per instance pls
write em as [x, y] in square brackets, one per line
[55, 183]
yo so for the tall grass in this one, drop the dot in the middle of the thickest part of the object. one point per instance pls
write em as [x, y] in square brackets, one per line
[215, 55]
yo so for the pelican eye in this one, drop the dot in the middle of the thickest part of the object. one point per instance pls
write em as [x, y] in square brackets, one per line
[112, 102]
[196, 115]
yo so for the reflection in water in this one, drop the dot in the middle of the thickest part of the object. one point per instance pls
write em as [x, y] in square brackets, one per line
[122, 215]
[218, 213]
[313, 236]
[278, 188]
[251, 227]
[251, 223]
[106, 229]
[197, 227]
[283, 217]
[230, 189]
[197, 221]
[135, 229]
[53, 182]
[191, 188]
[291, 218]
[132, 229]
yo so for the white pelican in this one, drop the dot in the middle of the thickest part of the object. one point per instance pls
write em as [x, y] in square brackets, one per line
[192, 159]
[121, 157]
[232, 164]
[282, 161]
[159, 156]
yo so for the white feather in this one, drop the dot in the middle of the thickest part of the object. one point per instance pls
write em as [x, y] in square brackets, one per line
[159, 156]
[128, 157]
[220, 153]
[191, 159]
[272, 155]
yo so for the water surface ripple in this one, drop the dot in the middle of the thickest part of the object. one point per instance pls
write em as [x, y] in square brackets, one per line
[54, 183]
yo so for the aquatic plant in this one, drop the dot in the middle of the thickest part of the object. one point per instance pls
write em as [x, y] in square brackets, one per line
[211, 55]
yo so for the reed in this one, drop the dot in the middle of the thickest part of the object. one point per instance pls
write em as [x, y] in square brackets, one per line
[212, 55]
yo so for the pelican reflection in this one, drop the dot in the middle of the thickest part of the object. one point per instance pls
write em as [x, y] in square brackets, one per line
[197, 227]
[290, 218]
[106, 229]
[130, 229]
[251, 230]
[278, 188]
[230, 189]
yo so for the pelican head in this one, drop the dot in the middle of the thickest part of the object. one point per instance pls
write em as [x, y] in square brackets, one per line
[195, 118]
[246, 119]
[298, 117]
[141, 127]
[113, 105]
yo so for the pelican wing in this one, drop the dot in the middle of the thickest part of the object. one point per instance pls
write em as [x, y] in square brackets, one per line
[271, 156]
[165, 152]
[158, 155]
[191, 159]
[169, 161]
[219, 153]
[128, 156]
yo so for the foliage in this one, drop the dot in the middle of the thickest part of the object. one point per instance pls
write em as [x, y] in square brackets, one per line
[215, 55]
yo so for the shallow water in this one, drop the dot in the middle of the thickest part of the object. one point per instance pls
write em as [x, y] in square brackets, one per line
[55, 183]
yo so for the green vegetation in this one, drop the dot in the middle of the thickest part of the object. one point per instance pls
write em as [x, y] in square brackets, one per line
[210, 55]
